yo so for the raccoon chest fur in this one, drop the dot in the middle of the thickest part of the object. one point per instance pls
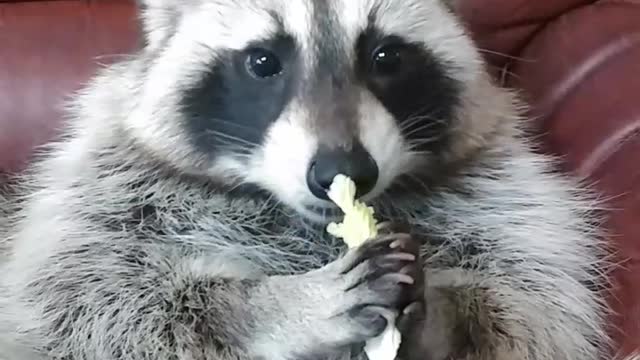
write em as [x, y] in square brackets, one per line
[257, 232]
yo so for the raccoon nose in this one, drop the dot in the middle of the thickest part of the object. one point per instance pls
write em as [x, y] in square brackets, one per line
[355, 163]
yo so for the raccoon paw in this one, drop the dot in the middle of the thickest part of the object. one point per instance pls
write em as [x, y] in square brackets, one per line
[381, 277]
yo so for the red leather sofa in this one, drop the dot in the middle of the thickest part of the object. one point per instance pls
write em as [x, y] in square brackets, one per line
[577, 63]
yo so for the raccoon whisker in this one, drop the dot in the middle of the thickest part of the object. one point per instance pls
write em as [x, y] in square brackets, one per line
[418, 181]
[411, 120]
[423, 127]
[411, 123]
[504, 55]
[235, 148]
[422, 111]
[241, 127]
[239, 151]
[233, 124]
[421, 123]
[231, 138]
[228, 139]
[110, 58]
[235, 186]
[416, 118]
[419, 142]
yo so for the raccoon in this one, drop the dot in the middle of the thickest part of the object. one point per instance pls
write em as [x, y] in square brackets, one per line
[4, 220]
[182, 214]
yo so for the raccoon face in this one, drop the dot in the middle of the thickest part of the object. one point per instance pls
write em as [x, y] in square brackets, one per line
[286, 94]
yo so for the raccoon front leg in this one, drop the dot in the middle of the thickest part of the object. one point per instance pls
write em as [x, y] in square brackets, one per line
[328, 311]
[470, 316]
[132, 303]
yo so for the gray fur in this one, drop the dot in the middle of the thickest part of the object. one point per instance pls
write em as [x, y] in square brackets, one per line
[129, 244]
[4, 223]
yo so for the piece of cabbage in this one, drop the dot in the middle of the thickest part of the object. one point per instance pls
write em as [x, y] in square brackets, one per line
[358, 226]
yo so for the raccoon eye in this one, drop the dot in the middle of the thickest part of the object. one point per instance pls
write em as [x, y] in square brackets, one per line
[388, 60]
[262, 63]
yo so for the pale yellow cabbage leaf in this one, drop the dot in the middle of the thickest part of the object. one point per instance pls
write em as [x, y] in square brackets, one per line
[358, 226]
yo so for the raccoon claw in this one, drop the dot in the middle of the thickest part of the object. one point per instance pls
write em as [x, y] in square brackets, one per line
[371, 284]
[383, 273]
[378, 250]
[410, 323]
[389, 227]
[384, 226]
[411, 315]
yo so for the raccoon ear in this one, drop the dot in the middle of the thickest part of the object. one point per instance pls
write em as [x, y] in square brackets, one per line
[452, 4]
[159, 19]
[164, 4]
[144, 4]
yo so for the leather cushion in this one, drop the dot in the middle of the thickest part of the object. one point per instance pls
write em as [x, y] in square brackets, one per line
[48, 50]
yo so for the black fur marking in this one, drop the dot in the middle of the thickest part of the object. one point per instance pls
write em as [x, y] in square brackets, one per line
[420, 88]
[229, 109]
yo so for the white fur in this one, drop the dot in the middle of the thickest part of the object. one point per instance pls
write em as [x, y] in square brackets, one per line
[381, 136]
[282, 163]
